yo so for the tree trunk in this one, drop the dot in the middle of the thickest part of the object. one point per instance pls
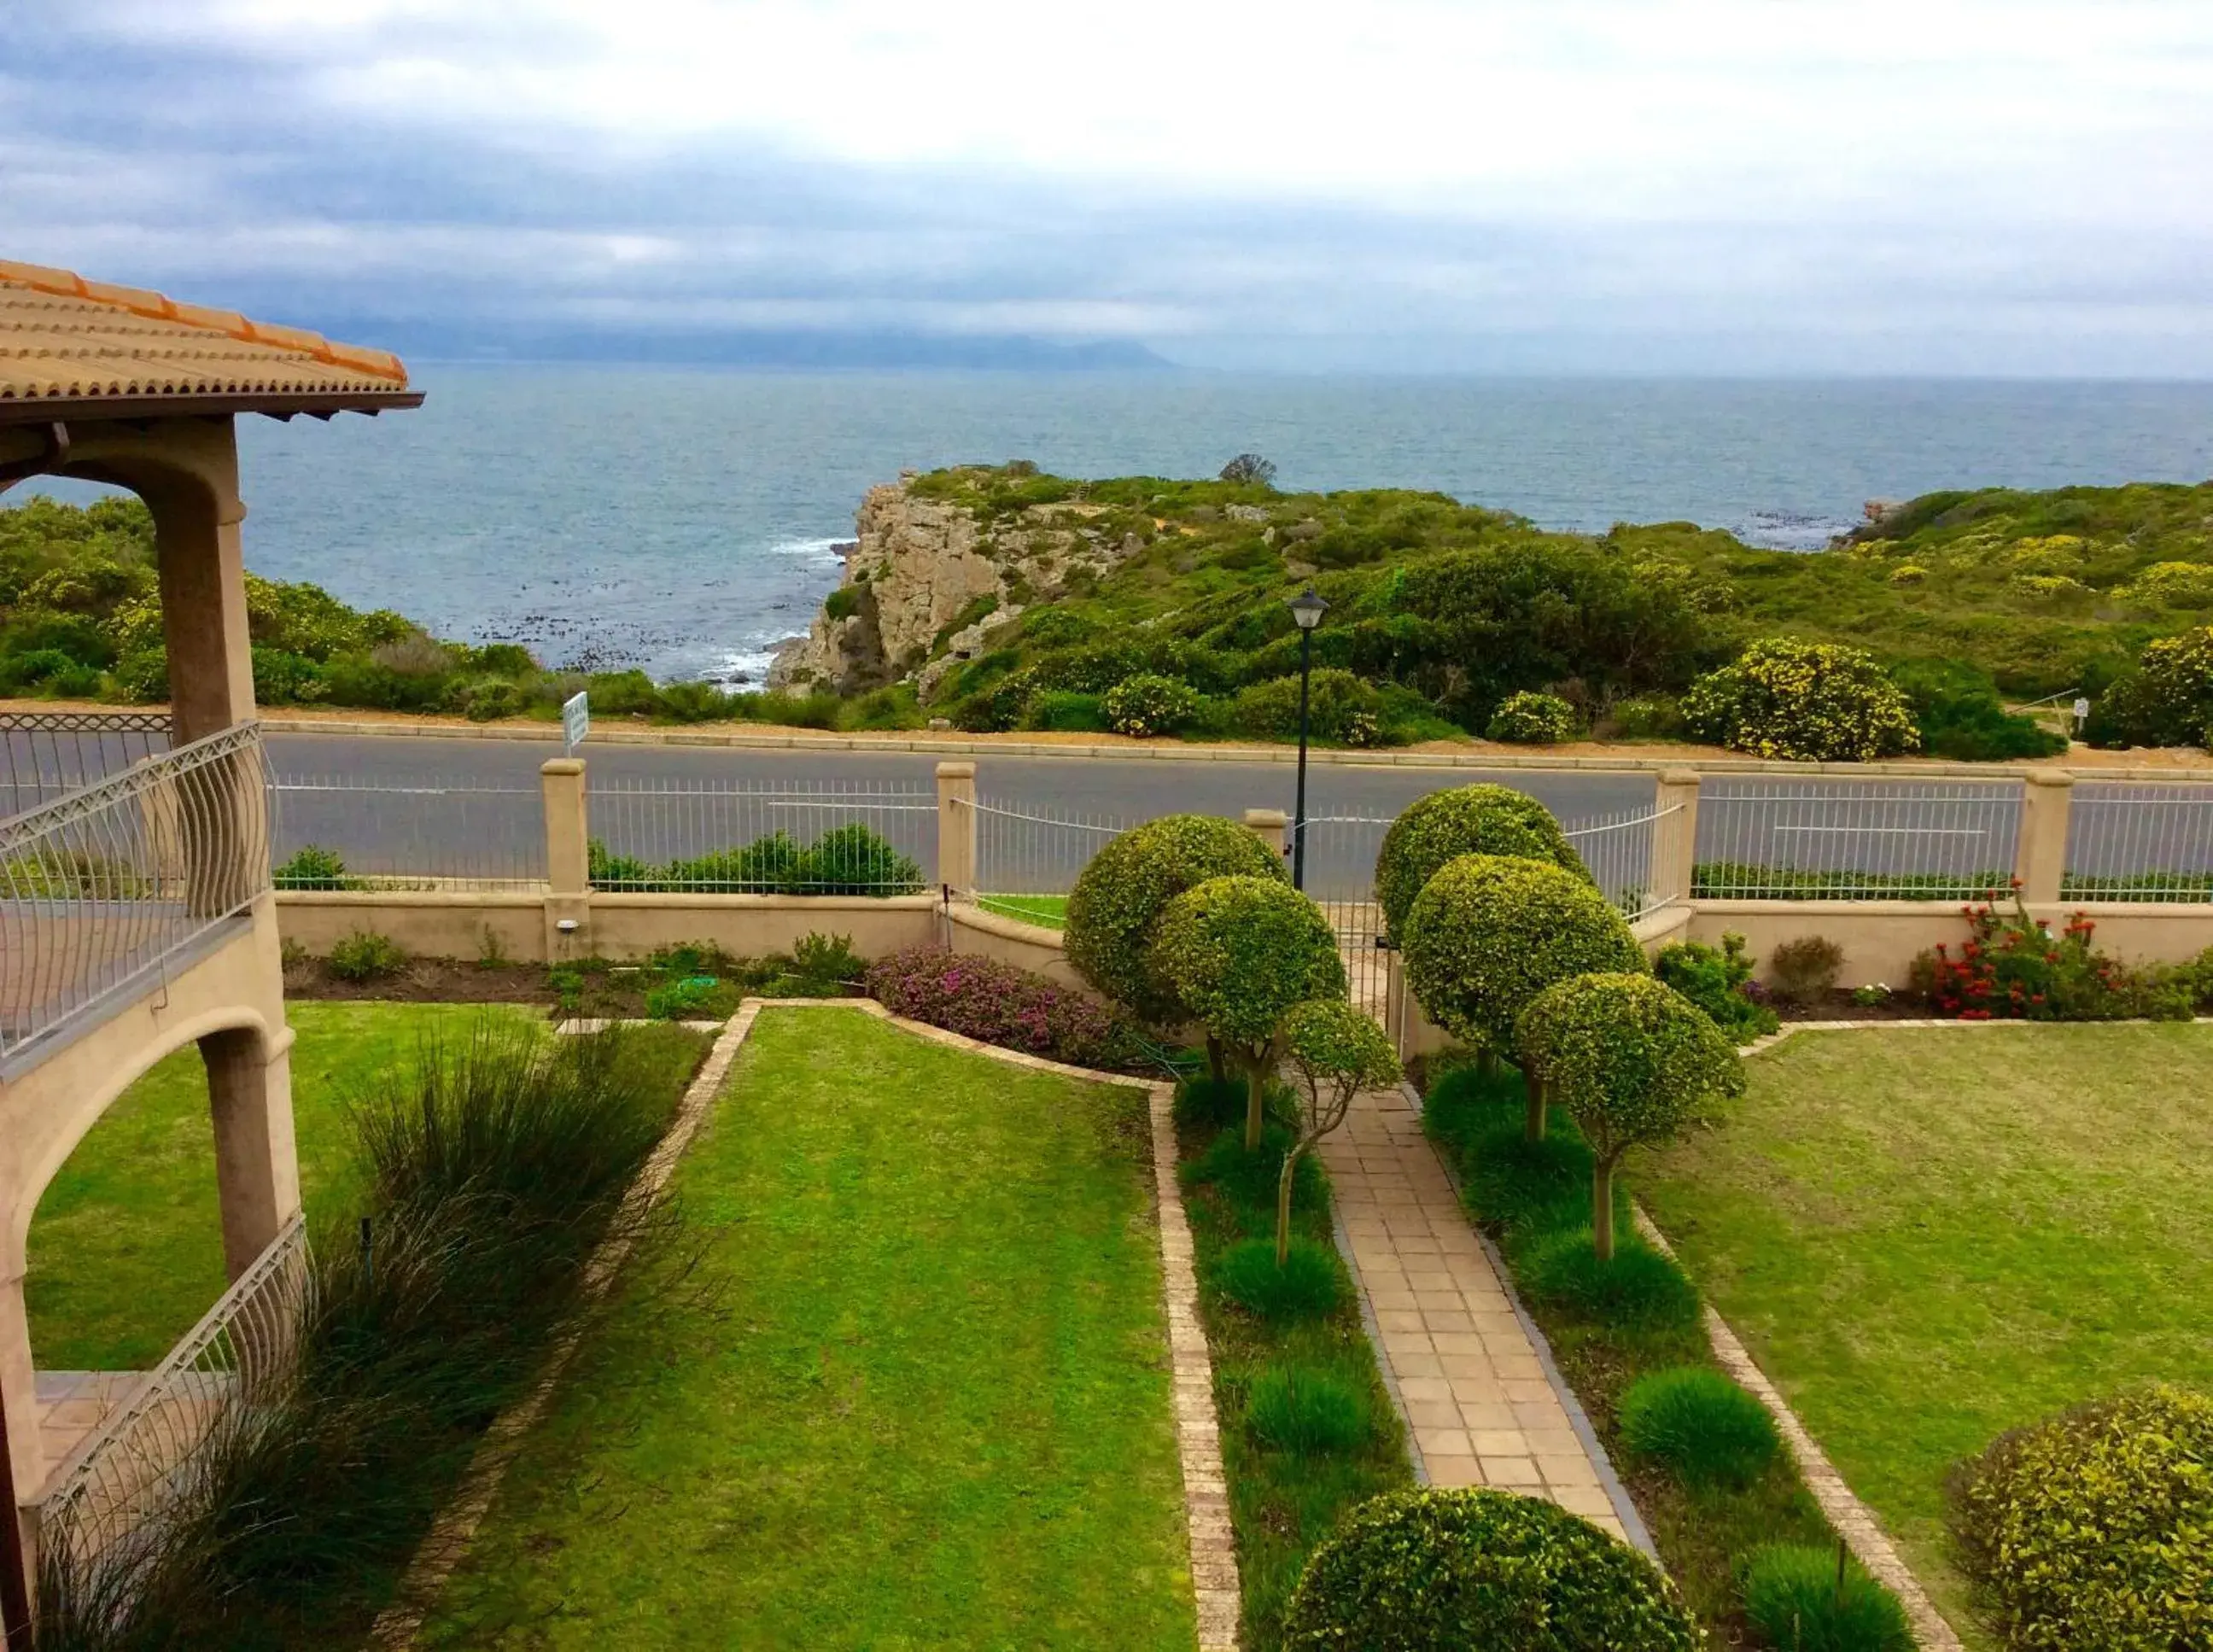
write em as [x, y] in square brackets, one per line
[1217, 1069]
[1283, 1203]
[1486, 1062]
[1535, 1127]
[1256, 1100]
[1602, 1209]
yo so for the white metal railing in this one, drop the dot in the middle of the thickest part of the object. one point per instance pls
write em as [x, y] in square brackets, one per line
[109, 1494]
[2143, 843]
[1858, 840]
[47, 755]
[1029, 858]
[345, 831]
[763, 837]
[1620, 851]
[103, 887]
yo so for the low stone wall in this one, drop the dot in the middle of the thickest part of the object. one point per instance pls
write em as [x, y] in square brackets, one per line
[1030, 946]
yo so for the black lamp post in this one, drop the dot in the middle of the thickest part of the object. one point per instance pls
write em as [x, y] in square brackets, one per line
[1307, 609]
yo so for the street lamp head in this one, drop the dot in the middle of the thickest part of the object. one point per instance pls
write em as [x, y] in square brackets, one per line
[1308, 608]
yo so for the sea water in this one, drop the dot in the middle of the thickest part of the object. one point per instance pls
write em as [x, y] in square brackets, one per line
[684, 520]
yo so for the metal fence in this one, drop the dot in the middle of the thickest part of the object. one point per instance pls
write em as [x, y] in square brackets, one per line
[103, 887]
[46, 754]
[336, 832]
[110, 1493]
[1029, 856]
[2146, 843]
[1618, 851]
[1913, 840]
[763, 838]
[1340, 865]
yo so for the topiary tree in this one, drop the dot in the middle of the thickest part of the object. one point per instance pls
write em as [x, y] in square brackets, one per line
[1336, 1051]
[1464, 820]
[1632, 1061]
[1786, 699]
[2093, 1532]
[1118, 901]
[1489, 932]
[1240, 952]
[1480, 1570]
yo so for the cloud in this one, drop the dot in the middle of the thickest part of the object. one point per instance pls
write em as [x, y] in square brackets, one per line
[1762, 185]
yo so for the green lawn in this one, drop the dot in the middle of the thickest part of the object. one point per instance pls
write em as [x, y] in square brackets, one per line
[924, 1402]
[1049, 911]
[1929, 1236]
[126, 1248]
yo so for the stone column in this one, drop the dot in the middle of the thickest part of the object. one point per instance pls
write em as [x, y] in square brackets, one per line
[956, 829]
[257, 1175]
[2041, 860]
[1268, 825]
[567, 858]
[197, 512]
[1675, 837]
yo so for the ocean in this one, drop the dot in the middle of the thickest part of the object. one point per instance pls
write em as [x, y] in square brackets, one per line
[686, 519]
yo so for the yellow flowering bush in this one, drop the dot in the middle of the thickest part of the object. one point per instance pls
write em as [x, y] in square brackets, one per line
[2043, 587]
[2172, 585]
[1817, 701]
[1908, 573]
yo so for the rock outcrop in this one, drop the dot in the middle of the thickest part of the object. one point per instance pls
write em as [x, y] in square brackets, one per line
[926, 583]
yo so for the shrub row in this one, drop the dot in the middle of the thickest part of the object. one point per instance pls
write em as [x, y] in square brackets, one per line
[996, 1003]
[847, 859]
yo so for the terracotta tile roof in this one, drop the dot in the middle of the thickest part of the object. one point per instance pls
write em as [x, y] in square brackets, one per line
[69, 343]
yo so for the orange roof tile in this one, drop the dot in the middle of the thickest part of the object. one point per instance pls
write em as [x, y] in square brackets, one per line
[70, 344]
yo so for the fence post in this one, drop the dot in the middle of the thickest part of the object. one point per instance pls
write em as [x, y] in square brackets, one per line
[2047, 799]
[568, 859]
[957, 828]
[1675, 837]
[1268, 825]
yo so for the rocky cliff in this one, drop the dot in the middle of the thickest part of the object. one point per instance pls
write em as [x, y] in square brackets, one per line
[927, 580]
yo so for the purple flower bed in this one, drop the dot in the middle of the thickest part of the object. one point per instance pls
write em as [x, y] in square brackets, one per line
[997, 1004]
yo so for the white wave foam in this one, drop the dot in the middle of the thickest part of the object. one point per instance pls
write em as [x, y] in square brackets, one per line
[820, 550]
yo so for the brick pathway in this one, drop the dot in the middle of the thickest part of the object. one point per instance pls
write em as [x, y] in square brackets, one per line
[1482, 1410]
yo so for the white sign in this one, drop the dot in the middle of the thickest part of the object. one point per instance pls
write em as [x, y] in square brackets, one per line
[2081, 713]
[575, 720]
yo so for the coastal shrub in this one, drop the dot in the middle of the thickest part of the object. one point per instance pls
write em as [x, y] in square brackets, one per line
[2171, 585]
[1307, 1412]
[1147, 707]
[1309, 1283]
[848, 860]
[312, 867]
[1528, 718]
[1636, 1287]
[488, 699]
[854, 860]
[1787, 698]
[1238, 953]
[2093, 1532]
[365, 955]
[1804, 967]
[1478, 820]
[1816, 1599]
[1341, 709]
[995, 1003]
[1489, 932]
[843, 603]
[282, 679]
[1959, 715]
[1631, 1061]
[1481, 1570]
[1062, 710]
[2167, 700]
[1704, 1429]
[1119, 897]
[605, 869]
[1719, 981]
[1645, 716]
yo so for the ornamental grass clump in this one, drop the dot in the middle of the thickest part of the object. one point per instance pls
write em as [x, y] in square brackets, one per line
[1703, 1427]
[1473, 1571]
[1636, 1287]
[1804, 1599]
[1335, 1051]
[2093, 1532]
[1306, 1284]
[1307, 1412]
[1631, 1061]
[994, 1002]
[1118, 897]
[1463, 820]
[1254, 1177]
[1818, 701]
[1488, 933]
[1240, 952]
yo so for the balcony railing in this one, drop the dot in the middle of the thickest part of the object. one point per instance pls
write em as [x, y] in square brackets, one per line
[105, 890]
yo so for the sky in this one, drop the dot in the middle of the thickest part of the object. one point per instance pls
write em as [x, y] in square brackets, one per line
[1727, 187]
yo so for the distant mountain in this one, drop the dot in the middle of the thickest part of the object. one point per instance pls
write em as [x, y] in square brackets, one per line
[796, 351]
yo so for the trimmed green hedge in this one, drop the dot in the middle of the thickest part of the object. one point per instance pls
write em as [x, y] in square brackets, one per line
[1240, 952]
[1490, 932]
[1480, 1570]
[1464, 820]
[1118, 899]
